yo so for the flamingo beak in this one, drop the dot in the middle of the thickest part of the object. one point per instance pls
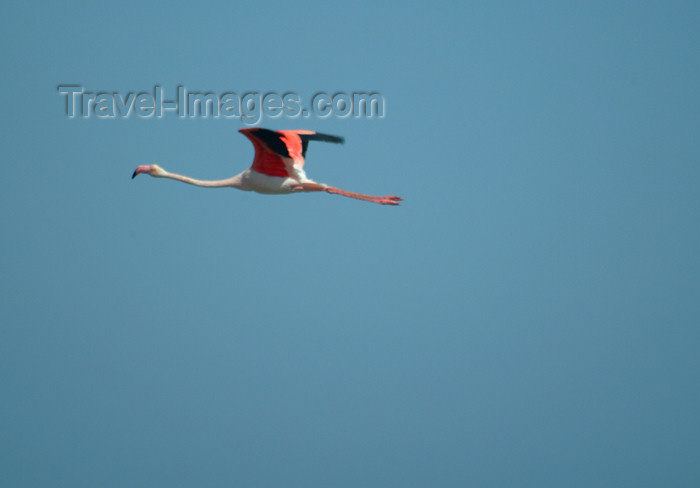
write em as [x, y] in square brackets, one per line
[144, 168]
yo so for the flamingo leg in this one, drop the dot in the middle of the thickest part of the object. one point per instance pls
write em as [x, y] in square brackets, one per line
[386, 200]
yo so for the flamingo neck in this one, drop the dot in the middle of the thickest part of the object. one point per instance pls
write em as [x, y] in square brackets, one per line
[234, 182]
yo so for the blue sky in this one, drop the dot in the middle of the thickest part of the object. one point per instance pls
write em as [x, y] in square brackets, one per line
[528, 317]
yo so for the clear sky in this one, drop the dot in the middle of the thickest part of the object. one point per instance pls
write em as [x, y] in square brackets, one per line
[529, 317]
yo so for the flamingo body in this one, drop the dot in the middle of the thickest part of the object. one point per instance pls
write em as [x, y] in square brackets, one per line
[252, 180]
[277, 168]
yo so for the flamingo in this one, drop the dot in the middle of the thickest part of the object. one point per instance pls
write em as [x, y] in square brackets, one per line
[278, 167]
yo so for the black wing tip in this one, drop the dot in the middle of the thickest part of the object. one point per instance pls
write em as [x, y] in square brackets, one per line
[326, 138]
[316, 136]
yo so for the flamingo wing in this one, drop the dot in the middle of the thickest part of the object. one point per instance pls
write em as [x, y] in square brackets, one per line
[279, 153]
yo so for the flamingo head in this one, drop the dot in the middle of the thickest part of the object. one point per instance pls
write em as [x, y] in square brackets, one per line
[151, 169]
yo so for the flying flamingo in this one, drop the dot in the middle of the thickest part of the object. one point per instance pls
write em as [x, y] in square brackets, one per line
[278, 166]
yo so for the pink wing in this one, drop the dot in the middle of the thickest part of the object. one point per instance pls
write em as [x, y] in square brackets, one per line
[277, 153]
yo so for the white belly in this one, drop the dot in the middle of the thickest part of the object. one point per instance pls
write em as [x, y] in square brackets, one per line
[258, 182]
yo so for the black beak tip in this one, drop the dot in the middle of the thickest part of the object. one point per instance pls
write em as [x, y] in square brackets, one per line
[134, 175]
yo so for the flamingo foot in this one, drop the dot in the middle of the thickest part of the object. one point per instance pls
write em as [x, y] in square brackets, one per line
[389, 200]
